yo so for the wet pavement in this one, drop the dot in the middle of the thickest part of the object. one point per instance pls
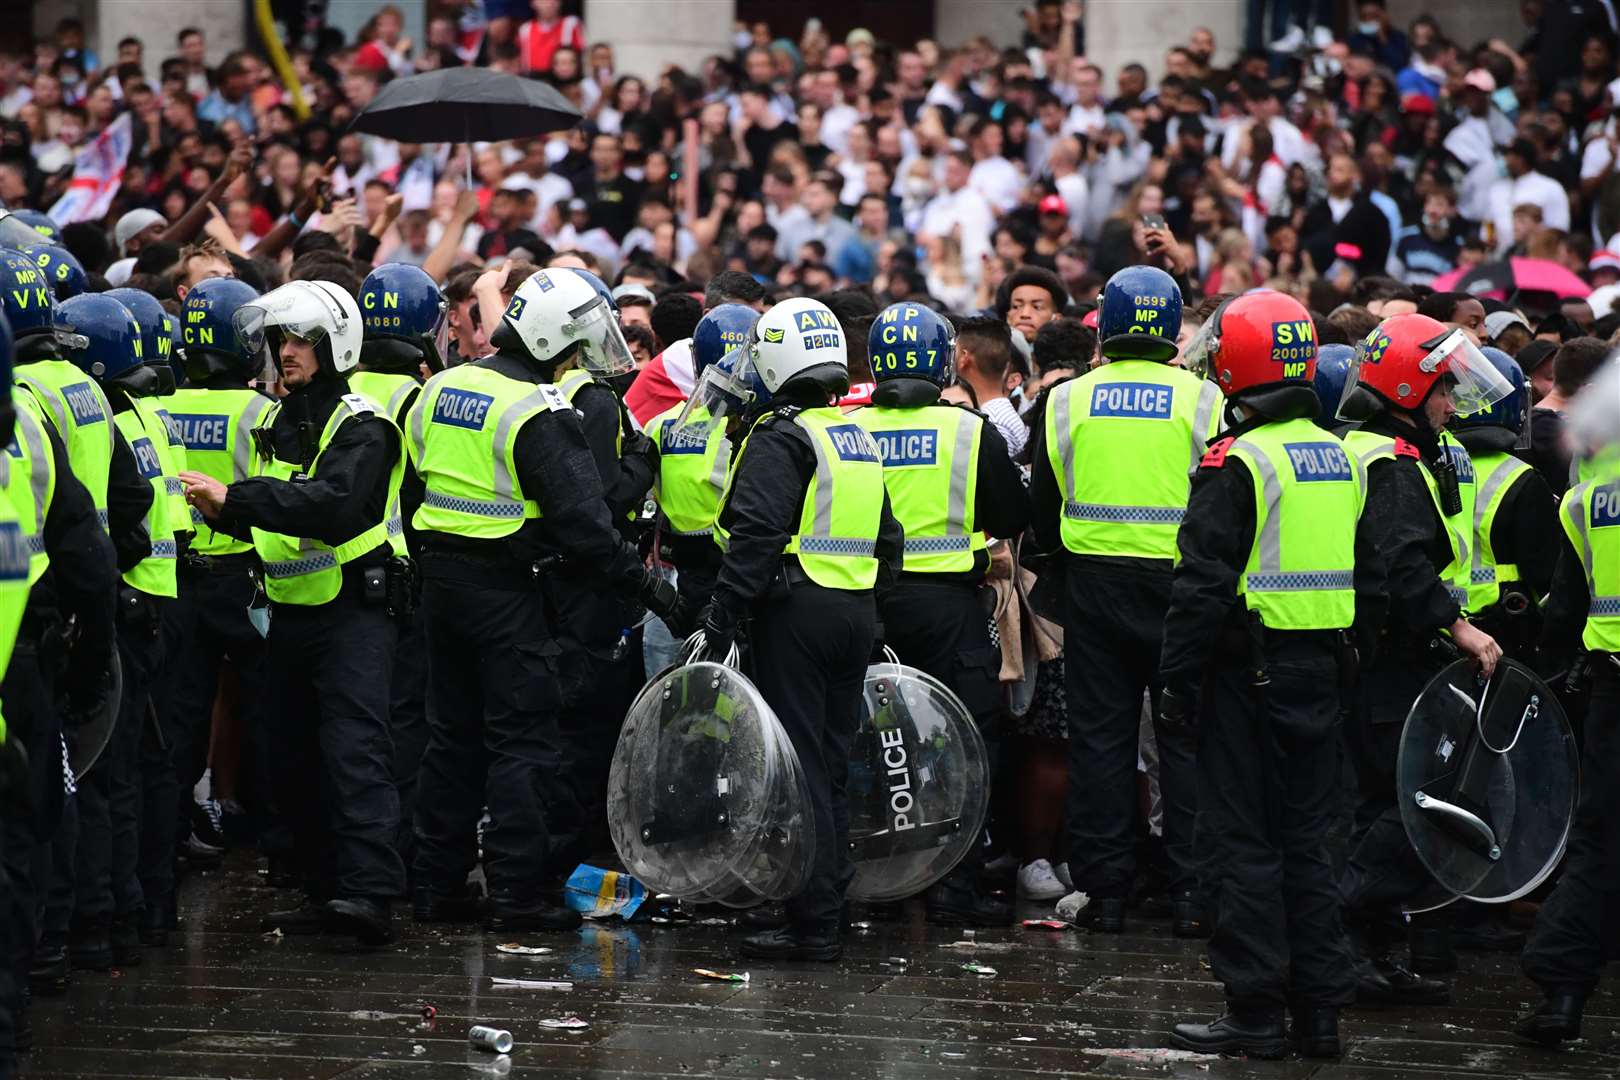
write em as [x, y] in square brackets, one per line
[223, 1000]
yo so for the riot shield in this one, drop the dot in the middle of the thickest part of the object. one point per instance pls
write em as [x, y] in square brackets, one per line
[705, 800]
[919, 784]
[91, 729]
[1486, 778]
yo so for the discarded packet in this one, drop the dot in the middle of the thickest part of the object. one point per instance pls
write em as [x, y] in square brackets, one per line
[523, 950]
[429, 1012]
[1046, 924]
[566, 1023]
[531, 984]
[979, 969]
[723, 976]
[495, 1040]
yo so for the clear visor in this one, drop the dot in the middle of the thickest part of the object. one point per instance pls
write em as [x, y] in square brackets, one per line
[1474, 382]
[723, 390]
[16, 233]
[1201, 349]
[300, 314]
[602, 351]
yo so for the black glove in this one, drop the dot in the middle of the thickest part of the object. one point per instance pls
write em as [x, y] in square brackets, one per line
[664, 601]
[719, 628]
[1173, 710]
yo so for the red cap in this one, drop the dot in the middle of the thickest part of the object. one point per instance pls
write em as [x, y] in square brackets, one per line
[1419, 104]
[1603, 260]
[1054, 204]
[1090, 318]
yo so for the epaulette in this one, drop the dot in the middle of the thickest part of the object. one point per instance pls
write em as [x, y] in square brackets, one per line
[359, 404]
[554, 398]
[1215, 456]
[786, 412]
[1406, 449]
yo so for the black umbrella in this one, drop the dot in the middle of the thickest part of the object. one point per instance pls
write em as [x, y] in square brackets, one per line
[465, 104]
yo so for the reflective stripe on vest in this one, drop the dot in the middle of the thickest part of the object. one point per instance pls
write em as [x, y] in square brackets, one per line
[691, 477]
[1370, 447]
[1590, 516]
[930, 467]
[1310, 488]
[31, 453]
[155, 574]
[1144, 427]
[72, 403]
[388, 389]
[216, 428]
[1495, 475]
[15, 569]
[305, 571]
[462, 434]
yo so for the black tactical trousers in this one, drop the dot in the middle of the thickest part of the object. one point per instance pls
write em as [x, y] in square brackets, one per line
[1268, 772]
[809, 656]
[26, 825]
[407, 718]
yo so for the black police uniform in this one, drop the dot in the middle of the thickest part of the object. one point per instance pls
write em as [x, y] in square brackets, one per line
[808, 645]
[1578, 927]
[1268, 756]
[332, 663]
[81, 584]
[601, 671]
[1382, 870]
[494, 686]
[936, 622]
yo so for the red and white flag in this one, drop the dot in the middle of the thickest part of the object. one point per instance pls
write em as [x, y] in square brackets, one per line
[98, 172]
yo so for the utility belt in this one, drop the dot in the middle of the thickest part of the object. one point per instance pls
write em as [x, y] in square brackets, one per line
[391, 584]
[791, 576]
[1593, 667]
[140, 614]
[1253, 645]
[487, 573]
[193, 562]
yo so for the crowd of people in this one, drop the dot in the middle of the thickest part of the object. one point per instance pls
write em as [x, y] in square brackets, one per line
[368, 474]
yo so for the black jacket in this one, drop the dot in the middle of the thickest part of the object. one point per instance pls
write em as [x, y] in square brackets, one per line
[82, 581]
[1364, 226]
[1409, 533]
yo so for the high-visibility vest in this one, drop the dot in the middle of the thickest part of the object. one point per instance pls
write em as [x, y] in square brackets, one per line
[1495, 474]
[155, 574]
[462, 435]
[1309, 492]
[216, 427]
[1370, 447]
[836, 542]
[302, 570]
[931, 468]
[691, 472]
[1590, 515]
[32, 483]
[172, 452]
[72, 403]
[391, 392]
[14, 566]
[571, 382]
[1124, 440]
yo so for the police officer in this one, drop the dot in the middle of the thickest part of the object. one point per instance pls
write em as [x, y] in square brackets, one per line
[108, 899]
[1275, 567]
[1575, 928]
[808, 537]
[215, 414]
[1110, 488]
[402, 310]
[1411, 376]
[1514, 513]
[72, 576]
[511, 494]
[14, 788]
[950, 482]
[324, 521]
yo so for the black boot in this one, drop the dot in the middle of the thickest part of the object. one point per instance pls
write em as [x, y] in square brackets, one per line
[309, 917]
[1559, 1018]
[1189, 918]
[126, 939]
[1104, 916]
[787, 943]
[428, 906]
[369, 921]
[48, 977]
[949, 904]
[154, 927]
[1257, 1034]
[764, 917]
[1432, 953]
[90, 945]
[541, 916]
[1381, 983]
[1315, 1032]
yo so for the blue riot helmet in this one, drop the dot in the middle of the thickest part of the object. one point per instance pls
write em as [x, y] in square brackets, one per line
[1332, 372]
[1140, 315]
[26, 296]
[8, 411]
[209, 335]
[402, 316]
[1505, 425]
[60, 268]
[720, 330]
[41, 222]
[157, 331]
[112, 352]
[910, 341]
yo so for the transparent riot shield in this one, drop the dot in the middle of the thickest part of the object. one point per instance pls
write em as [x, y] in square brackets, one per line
[705, 801]
[93, 728]
[1487, 777]
[919, 784]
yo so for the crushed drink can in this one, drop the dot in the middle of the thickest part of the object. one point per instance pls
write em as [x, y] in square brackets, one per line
[494, 1040]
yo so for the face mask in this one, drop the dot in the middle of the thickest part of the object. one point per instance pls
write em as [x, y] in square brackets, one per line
[1368, 28]
[1506, 100]
[919, 188]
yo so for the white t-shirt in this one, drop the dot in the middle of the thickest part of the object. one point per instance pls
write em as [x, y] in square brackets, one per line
[1534, 188]
[967, 210]
[999, 181]
[1083, 119]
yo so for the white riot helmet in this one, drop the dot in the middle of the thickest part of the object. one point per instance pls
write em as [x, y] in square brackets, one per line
[797, 338]
[315, 312]
[556, 308]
